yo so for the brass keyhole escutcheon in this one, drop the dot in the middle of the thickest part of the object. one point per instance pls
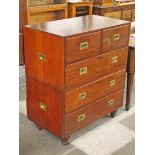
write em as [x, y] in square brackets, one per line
[83, 70]
[111, 102]
[116, 37]
[82, 95]
[42, 106]
[81, 117]
[83, 46]
[112, 83]
[42, 57]
[114, 59]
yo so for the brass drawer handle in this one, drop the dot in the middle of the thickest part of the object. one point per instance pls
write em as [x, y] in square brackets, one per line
[42, 106]
[82, 95]
[83, 46]
[83, 70]
[116, 37]
[81, 117]
[111, 102]
[114, 59]
[42, 57]
[112, 83]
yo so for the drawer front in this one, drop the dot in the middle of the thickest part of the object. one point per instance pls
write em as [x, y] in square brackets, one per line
[126, 14]
[98, 109]
[85, 71]
[94, 91]
[81, 47]
[116, 14]
[115, 38]
[133, 13]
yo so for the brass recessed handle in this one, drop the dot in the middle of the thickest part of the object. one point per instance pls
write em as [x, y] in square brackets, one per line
[42, 57]
[42, 106]
[111, 102]
[116, 37]
[114, 59]
[81, 117]
[82, 95]
[83, 46]
[83, 70]
[112, 83]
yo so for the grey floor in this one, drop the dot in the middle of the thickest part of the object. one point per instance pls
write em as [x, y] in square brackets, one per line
[105, 136]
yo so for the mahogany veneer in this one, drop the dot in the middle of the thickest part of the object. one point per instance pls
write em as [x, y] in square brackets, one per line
[102, 86]
[75, 73]
[93, 111]
[97, 67]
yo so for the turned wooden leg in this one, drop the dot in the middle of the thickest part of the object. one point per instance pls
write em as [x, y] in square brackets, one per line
[113, 113]
[130, 77]
[39, 127]
[65, 141]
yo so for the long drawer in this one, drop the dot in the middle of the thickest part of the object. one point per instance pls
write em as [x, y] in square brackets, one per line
[84, 46]
[93, 91]
[115, 38]
[85, 71]
[86, 115]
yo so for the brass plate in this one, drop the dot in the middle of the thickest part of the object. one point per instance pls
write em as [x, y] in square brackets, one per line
[116, 37]
[81, 117]
[112, 83]
[42, 106]
[42, 57]
[82, 95]
[83, 70]
[111, 102]
[114, 59]
[84, 46]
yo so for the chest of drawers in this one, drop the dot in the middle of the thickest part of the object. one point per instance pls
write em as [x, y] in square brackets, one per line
[75, 71]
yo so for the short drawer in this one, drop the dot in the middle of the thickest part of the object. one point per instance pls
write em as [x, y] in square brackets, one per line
[84, 46]
[115, 38]
[116, 14]
[94, 91]
[92, 112]
[126, 14]
[88, 70]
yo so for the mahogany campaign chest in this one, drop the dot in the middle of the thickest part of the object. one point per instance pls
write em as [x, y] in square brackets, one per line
[75, 71]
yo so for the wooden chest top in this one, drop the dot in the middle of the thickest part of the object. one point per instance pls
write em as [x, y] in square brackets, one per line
[78, 25]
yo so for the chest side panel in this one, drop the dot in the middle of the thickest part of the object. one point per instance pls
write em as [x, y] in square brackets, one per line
[44, 106]
[44, 57]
